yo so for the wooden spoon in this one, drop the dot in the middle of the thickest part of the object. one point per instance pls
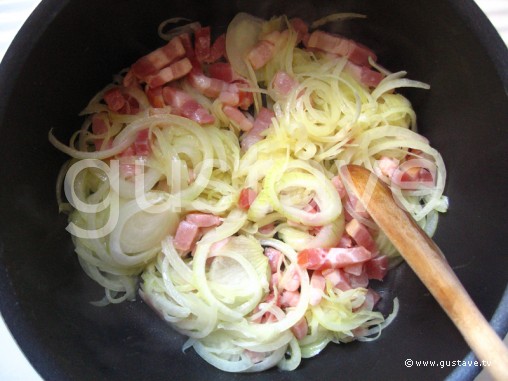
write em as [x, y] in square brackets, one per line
[429, 264]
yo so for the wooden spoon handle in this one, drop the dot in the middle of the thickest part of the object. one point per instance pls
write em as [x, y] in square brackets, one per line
[430, 265]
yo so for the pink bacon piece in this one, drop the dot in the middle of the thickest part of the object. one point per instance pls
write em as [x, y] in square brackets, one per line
[155, 97]
[142, 145]
[377, 268]
[300, 28]
[364, 75]
[174, 71]
[274, 259]
[203, 220]
[260, 54]
[356, 269]
[232, 95]
[317, 287]
[290, 280]
[120, 102]
[318, 259]
[239, 118]
[202, 43]
[338, 278]
[341, 46]
[264, 50]
[283, 84]
[210, 87]
[361, 235]
[114, 99]
[99, 127]
[339, 186]
[371, 299]
[261, 123]
[223, 71]
[185, 236]
[300, 329]
[183, 104]
[361, 280]
[247, 197]
[388, 166]
[218, 49]
[189, 50]
[159, 58]
[289, 298]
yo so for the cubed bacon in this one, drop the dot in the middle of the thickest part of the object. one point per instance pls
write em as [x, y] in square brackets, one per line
[337, 257]
[142, 145]
[202, 41]
[129, 79]
[339, 186]
[189, 50]
[341, 46]
[207, 86]
[203, 220]
[262, 122]
[154, 95]
[255, 357]
[361, 280]
[364, 75]
[238, 118]
[185, 105]
[413, 177]
[232, 95]
[361, 235]
[317, 287]
[223, 71]
[159, 58]
[247, 197]
[114, 98]
[283, 83]
[120, 102]
[289, 298]
[174, 71]
[338, 278]
[131, 106]
[185, 236]
[274, 281]
[218, 49]
[355, 269]
[345, 241]
[217, 246]
[99, 127]
[276, 37]
[126, 162]
[371, 299]
[300, 329]
[387, 165]
[266, 229]
[377, 267]
[300, 28]
[260, 54]
[357, 206]
[291, 279]
[268, 317]
[275, 258]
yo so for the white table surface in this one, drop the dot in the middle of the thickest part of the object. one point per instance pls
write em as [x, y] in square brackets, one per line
[13, 364]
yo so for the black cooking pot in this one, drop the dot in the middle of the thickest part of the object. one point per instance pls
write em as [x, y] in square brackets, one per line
[69, 49]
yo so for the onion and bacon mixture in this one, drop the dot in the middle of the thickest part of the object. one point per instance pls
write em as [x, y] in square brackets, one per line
[228, 214]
